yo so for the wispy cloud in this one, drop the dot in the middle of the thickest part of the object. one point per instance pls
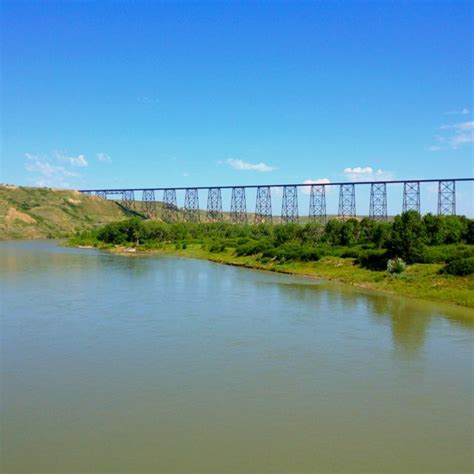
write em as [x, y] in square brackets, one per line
[104, 157]
[462, 126]
[45, 173]
[457, 135]
[145, 99]
[464, 111]
[366, 173]
[245, 166]
[78, 161]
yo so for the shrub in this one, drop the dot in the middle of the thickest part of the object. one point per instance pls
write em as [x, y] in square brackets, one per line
[396, 265]
[461, 267]
[121, 232]
[217, 247]
[446, 253]
[373, 259]
[312, 233]
[350, 253]
[456, 227]
[333, 231]
[310, 254]
[286, 233]
[469, 236]
[253, 248]
[153, 230]
[293, 251]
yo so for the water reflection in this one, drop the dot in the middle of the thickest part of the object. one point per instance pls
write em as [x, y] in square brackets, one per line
[409, 319]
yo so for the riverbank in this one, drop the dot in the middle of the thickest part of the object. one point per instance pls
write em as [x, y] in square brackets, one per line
[418, 281]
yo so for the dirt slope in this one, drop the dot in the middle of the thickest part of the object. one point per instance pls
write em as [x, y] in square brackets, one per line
[31, 213]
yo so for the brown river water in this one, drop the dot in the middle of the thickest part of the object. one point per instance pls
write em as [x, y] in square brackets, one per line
[163, 364]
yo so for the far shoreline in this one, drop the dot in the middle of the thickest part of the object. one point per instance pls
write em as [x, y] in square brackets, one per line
[330, 269]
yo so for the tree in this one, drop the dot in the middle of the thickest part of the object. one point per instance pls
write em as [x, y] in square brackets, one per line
[456, 227]
[408, 237]
[435, 229]
[470, 232]
[286, 233]
[381, 234]
[333, 231]
[312, 233]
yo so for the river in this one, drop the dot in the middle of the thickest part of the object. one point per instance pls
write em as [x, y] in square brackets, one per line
[163, 364]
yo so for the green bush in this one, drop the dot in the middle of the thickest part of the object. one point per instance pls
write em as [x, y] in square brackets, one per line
[350, 253]
[217, 247]
[446, 253]
[121, 232]
[292, 251]
[373, 259]
[461, 267]
[396, 265]
[254, 247]
[312, 233]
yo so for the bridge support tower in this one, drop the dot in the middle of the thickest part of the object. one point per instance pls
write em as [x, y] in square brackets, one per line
[169, 211]
[149, 203]
[289, 205]
[191, 205]
[128, 199]
[214, 205]
[317, 203]
[263, 205]
[447, 198]
[238, 206]
[378, 201]
[347, 203]
[411, 196]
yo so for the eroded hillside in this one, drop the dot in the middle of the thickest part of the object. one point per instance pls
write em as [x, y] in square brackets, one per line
[31, 213]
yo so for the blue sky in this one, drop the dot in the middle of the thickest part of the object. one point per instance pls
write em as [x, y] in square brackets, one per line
[125, 94]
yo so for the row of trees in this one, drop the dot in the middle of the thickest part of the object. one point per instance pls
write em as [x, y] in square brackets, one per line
[407, 236]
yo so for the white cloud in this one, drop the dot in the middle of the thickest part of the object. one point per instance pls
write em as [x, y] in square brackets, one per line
[359, 170]
[245, 166]
[46, 173]
[307, 189]
[104, 157]
[79, 160]
[366, 173]
[458, 135]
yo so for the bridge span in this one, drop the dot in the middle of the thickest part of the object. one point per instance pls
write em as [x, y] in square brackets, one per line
[147, 202]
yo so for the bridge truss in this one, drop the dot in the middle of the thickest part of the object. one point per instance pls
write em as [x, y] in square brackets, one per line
[150, 205]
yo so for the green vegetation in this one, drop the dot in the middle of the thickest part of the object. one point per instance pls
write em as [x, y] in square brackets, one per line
[429, 257]
[32, 213]
[461, 267]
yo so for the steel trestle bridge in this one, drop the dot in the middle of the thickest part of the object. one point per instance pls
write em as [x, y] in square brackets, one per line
[167, 208]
